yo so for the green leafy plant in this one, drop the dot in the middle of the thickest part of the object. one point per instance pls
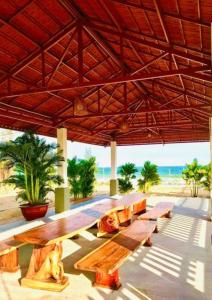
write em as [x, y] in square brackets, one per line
[127, 172]
[193, 174]
[33, 162]
[81, 174]
[74, 177]
[206, 179]
[149, 177]
[88, 170]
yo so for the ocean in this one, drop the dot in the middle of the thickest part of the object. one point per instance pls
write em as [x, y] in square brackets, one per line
[164, 171]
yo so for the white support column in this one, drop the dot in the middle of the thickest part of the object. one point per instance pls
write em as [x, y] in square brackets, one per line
[113, 161]
[113, 181]
[210, 199]
[62, 193]
[62, 142]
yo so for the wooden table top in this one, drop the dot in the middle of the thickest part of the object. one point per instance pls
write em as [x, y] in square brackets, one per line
[64, 228]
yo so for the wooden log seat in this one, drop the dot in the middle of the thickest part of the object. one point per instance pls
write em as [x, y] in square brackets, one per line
[106, 259]
[9, 255]
[162, 209]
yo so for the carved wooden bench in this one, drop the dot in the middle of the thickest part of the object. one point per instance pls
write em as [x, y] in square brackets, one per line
[126, 207]
[9, 255]
[106, 260]
[162, 209]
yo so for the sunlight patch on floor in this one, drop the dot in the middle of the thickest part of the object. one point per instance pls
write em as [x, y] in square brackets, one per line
[144, 296]
[88, 236]
[200, 234]
[179, 228]
[160, 267]
[151, 269]
[196, 275]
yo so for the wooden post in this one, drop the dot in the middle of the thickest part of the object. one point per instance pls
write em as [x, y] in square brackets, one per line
[61, 192]
[113, 180]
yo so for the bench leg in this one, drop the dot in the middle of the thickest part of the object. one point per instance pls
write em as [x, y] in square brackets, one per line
[108, 224]
[125, 216]
[9, 262]
[148, 242]
[46, 269]
[168, 215]
[110, 281]
[156, 229]
[139, 208]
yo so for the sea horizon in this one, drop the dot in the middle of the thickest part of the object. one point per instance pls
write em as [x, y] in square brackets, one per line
[164, 171]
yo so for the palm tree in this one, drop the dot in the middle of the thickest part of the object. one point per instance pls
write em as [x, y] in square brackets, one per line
[34, 162]
[149, 177]
[193, 174]
[127, 172]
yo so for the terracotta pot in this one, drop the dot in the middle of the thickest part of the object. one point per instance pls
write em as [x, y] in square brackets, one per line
[32, 212]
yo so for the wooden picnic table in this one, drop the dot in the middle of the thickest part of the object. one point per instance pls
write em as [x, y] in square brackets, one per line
[46, 268]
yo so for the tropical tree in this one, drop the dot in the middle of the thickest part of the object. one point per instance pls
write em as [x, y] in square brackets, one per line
[33, 162]
[193, 175]
[81, 175]
[206, 179]
[127, 172]
[149, 176]
[74, 177]
[87, 176]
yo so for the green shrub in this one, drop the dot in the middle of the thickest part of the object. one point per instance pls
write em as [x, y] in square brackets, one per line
[149, 177]
[193, 174]
[87, 176]
[74, 177]
[81, 175]
[127, 172]
[206, 179]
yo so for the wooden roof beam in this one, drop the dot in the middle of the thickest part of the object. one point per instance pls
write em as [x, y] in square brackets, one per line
[143, 111]
[37, 52]
[191, 72]
[163, 47]
[166, 14]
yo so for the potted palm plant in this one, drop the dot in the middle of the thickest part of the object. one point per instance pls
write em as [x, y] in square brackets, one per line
[33, 162]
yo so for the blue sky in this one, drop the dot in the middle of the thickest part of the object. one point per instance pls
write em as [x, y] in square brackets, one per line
[167, 155]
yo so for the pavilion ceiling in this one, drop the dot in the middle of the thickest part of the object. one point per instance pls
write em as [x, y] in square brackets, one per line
[142, 63]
